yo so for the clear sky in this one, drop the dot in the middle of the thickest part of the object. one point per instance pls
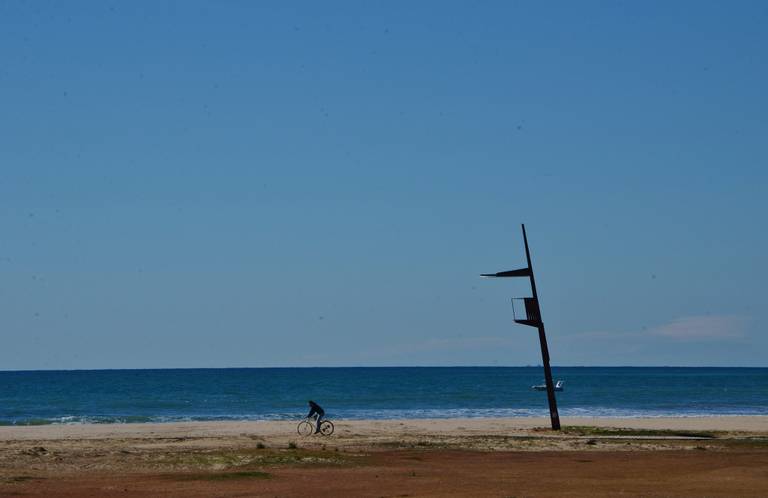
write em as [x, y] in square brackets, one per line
[220, 184]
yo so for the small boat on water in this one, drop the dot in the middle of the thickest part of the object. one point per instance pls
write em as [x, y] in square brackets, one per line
[543, 387]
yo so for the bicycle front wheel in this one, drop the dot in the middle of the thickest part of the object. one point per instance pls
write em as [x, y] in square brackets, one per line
[305, 428]
[326, 427]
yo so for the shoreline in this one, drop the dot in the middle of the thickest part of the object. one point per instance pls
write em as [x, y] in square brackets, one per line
[389, 427]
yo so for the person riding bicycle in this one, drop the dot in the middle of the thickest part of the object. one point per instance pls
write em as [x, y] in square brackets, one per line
[315, 409]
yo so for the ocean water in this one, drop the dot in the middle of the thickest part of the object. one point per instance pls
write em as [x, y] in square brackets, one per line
[108, 396]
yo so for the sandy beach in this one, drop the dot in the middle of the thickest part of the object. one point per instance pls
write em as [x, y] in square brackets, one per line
[284, 430]
[694, 456]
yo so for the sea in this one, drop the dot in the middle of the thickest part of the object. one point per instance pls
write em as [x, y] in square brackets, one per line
[171, 395]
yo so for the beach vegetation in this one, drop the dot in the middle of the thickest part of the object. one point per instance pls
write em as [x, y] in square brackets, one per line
[585, 430]
[254, 457]
[15, 479]
[745, 442]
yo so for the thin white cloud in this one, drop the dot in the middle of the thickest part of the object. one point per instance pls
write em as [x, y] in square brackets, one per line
[703, 327]
[686, 328]
[599, 335]
[444, 345]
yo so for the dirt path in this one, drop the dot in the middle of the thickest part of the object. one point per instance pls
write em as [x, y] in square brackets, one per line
[445, 473]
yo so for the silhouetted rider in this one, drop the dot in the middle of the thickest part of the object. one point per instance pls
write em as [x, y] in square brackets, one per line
[315, 409]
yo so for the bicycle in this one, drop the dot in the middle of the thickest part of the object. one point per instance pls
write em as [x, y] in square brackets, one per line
[307, 428]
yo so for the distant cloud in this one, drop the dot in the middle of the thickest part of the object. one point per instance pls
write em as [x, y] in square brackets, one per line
[441, 345]
[463, 343]
[704, 327]
[694, 340]
[686, 328]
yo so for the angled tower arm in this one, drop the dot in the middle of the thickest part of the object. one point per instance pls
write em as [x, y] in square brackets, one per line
[522, 272]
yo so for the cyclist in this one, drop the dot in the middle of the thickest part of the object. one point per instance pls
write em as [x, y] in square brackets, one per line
[315, 409]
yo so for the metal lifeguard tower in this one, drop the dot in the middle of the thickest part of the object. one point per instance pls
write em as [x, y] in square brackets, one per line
[527, 312]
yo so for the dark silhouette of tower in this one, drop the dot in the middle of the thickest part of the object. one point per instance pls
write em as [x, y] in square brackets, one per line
[532, 318]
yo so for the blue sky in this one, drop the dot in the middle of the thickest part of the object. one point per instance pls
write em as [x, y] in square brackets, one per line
[208, 184]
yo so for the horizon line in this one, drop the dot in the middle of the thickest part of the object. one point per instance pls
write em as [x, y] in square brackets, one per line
[118, 369]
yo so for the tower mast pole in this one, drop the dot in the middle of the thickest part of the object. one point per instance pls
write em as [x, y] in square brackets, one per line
[553, 414]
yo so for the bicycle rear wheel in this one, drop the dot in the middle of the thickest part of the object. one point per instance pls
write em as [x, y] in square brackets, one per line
[305, 428]
[326, 427]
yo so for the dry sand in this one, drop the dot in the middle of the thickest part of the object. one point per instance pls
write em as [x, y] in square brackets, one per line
[454, 426]
[697, 456]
